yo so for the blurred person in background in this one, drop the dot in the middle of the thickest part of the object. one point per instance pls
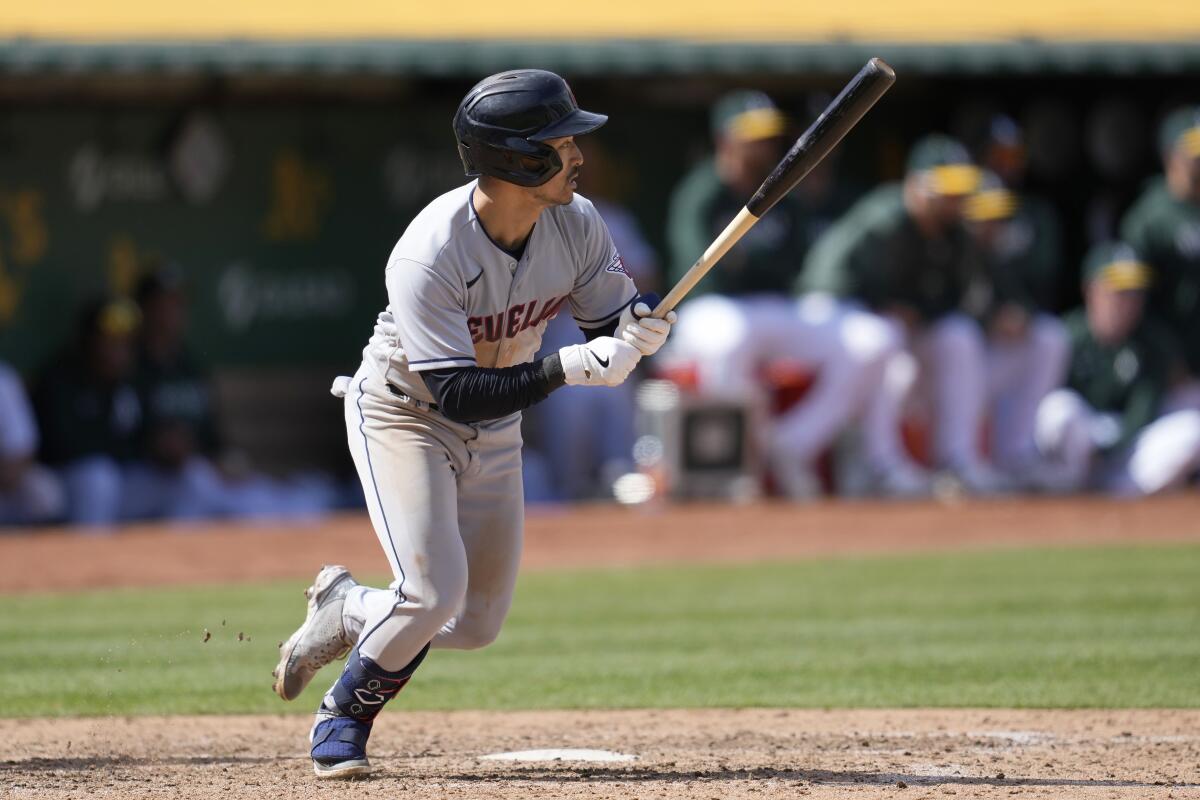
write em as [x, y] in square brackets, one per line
[742, 315]
[1163, 226]
[29, 492]
[89, 413]
[1030, 238]
[1107, 429]
[1027, 344]
[904, 252]
[183, 471]
[579, 442]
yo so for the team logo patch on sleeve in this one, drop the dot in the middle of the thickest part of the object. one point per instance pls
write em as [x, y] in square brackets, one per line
[617, 265]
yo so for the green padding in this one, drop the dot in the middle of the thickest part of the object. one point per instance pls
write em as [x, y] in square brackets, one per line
[593, 57]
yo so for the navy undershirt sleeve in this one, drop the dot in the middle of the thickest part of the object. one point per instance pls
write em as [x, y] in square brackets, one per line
[475, 394]
[603, 330]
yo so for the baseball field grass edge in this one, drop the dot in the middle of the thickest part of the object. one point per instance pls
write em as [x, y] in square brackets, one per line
[1080, 627]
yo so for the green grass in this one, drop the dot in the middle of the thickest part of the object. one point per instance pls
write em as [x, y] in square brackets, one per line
[1098, 627]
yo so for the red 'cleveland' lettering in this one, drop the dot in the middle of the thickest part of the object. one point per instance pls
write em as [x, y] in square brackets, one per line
[511, 322]
[514, 319]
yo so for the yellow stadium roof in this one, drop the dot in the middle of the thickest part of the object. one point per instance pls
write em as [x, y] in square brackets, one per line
[90, 37]
[705, 20]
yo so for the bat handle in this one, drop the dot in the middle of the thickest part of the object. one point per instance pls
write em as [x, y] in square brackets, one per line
[733, 232]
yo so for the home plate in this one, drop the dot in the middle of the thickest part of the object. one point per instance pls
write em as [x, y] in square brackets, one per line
[559, 754]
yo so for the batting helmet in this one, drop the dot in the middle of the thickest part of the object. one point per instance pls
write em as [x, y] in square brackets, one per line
[503, 121]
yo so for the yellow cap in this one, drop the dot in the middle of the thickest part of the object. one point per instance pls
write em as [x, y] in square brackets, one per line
[119, 318]
[1124, 275]
[1189, 142]
[953, 179]
[756, 123]
[991, 204]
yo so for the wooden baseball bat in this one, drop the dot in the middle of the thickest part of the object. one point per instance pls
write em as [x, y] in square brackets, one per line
[835, 121]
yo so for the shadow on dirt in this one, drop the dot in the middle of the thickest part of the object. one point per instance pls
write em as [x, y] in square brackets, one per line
[812, 776]
[574, 774]
[108, 762]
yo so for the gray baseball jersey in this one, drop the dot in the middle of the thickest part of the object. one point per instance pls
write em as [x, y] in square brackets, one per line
[456, 299]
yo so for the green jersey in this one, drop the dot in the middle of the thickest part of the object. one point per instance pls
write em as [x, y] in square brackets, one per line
[876, 254]
[1128, 379]
[1165, 231]
[1027, 254]
[177, 393]
[768, 257]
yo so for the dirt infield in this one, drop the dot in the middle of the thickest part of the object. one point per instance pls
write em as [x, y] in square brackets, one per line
[154, 555]
[694, 754]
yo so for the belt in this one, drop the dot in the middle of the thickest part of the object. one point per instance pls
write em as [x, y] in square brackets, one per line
[410, 399]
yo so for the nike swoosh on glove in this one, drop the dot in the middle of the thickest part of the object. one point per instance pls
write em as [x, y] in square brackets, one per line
[604, 361]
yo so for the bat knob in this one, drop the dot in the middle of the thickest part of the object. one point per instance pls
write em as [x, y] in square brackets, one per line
[651, 300]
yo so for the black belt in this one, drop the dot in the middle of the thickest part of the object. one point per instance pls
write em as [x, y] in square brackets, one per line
[404, 396]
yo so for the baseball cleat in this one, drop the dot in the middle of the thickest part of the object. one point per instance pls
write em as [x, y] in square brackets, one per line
[322, 637]
[339, 746]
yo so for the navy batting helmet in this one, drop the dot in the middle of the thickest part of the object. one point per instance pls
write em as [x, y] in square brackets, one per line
[503, 121]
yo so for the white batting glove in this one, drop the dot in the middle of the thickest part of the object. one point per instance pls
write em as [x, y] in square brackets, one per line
[604, 361]
[639, 329]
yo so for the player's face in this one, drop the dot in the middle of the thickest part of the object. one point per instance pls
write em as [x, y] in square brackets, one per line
[560, 190]
[1113, 313]
[1183, 175]
[745, 164]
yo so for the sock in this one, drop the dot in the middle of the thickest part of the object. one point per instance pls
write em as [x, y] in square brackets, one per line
[364, 687]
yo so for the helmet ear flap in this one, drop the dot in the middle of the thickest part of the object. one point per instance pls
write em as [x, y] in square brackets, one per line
[464, 154]
[532, 165]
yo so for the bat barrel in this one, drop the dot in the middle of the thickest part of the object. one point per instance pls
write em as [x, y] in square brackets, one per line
[855, 100]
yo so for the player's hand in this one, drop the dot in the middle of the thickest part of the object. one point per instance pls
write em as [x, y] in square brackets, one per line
[639, 329]
[604, 361]
[1010, 323]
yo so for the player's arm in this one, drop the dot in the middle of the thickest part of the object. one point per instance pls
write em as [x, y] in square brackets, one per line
[429, 311]
[475, 394]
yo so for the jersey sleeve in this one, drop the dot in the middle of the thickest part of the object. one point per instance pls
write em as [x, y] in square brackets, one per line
[603, 287]
[430, 316]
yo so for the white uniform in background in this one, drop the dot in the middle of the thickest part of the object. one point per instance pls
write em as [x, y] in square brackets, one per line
[36, 494]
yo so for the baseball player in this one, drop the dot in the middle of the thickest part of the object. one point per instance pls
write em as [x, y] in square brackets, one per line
[903, 252]
[1027, 346]
[742, 316]
[1164, 228]
[433, 413]
[1108, 429]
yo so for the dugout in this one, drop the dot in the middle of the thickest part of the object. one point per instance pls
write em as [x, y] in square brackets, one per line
[274, 154]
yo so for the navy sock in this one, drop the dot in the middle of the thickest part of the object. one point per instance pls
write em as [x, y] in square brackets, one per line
[364, 687]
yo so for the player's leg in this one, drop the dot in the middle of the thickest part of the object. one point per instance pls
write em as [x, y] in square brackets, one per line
[491, 519]
[720, 337]
[952, 355]
[849, 350]
[1161, 457]
[1063, 433]
[887, 467]
[1184, 396]
[1021, 374]
[95, 490]
[407, 463]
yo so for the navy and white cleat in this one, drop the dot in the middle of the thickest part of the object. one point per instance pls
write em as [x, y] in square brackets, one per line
[321, 639]
[339, 746]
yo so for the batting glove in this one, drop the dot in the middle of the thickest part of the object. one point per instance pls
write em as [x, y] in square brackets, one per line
[641, 330]
[604, 361]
